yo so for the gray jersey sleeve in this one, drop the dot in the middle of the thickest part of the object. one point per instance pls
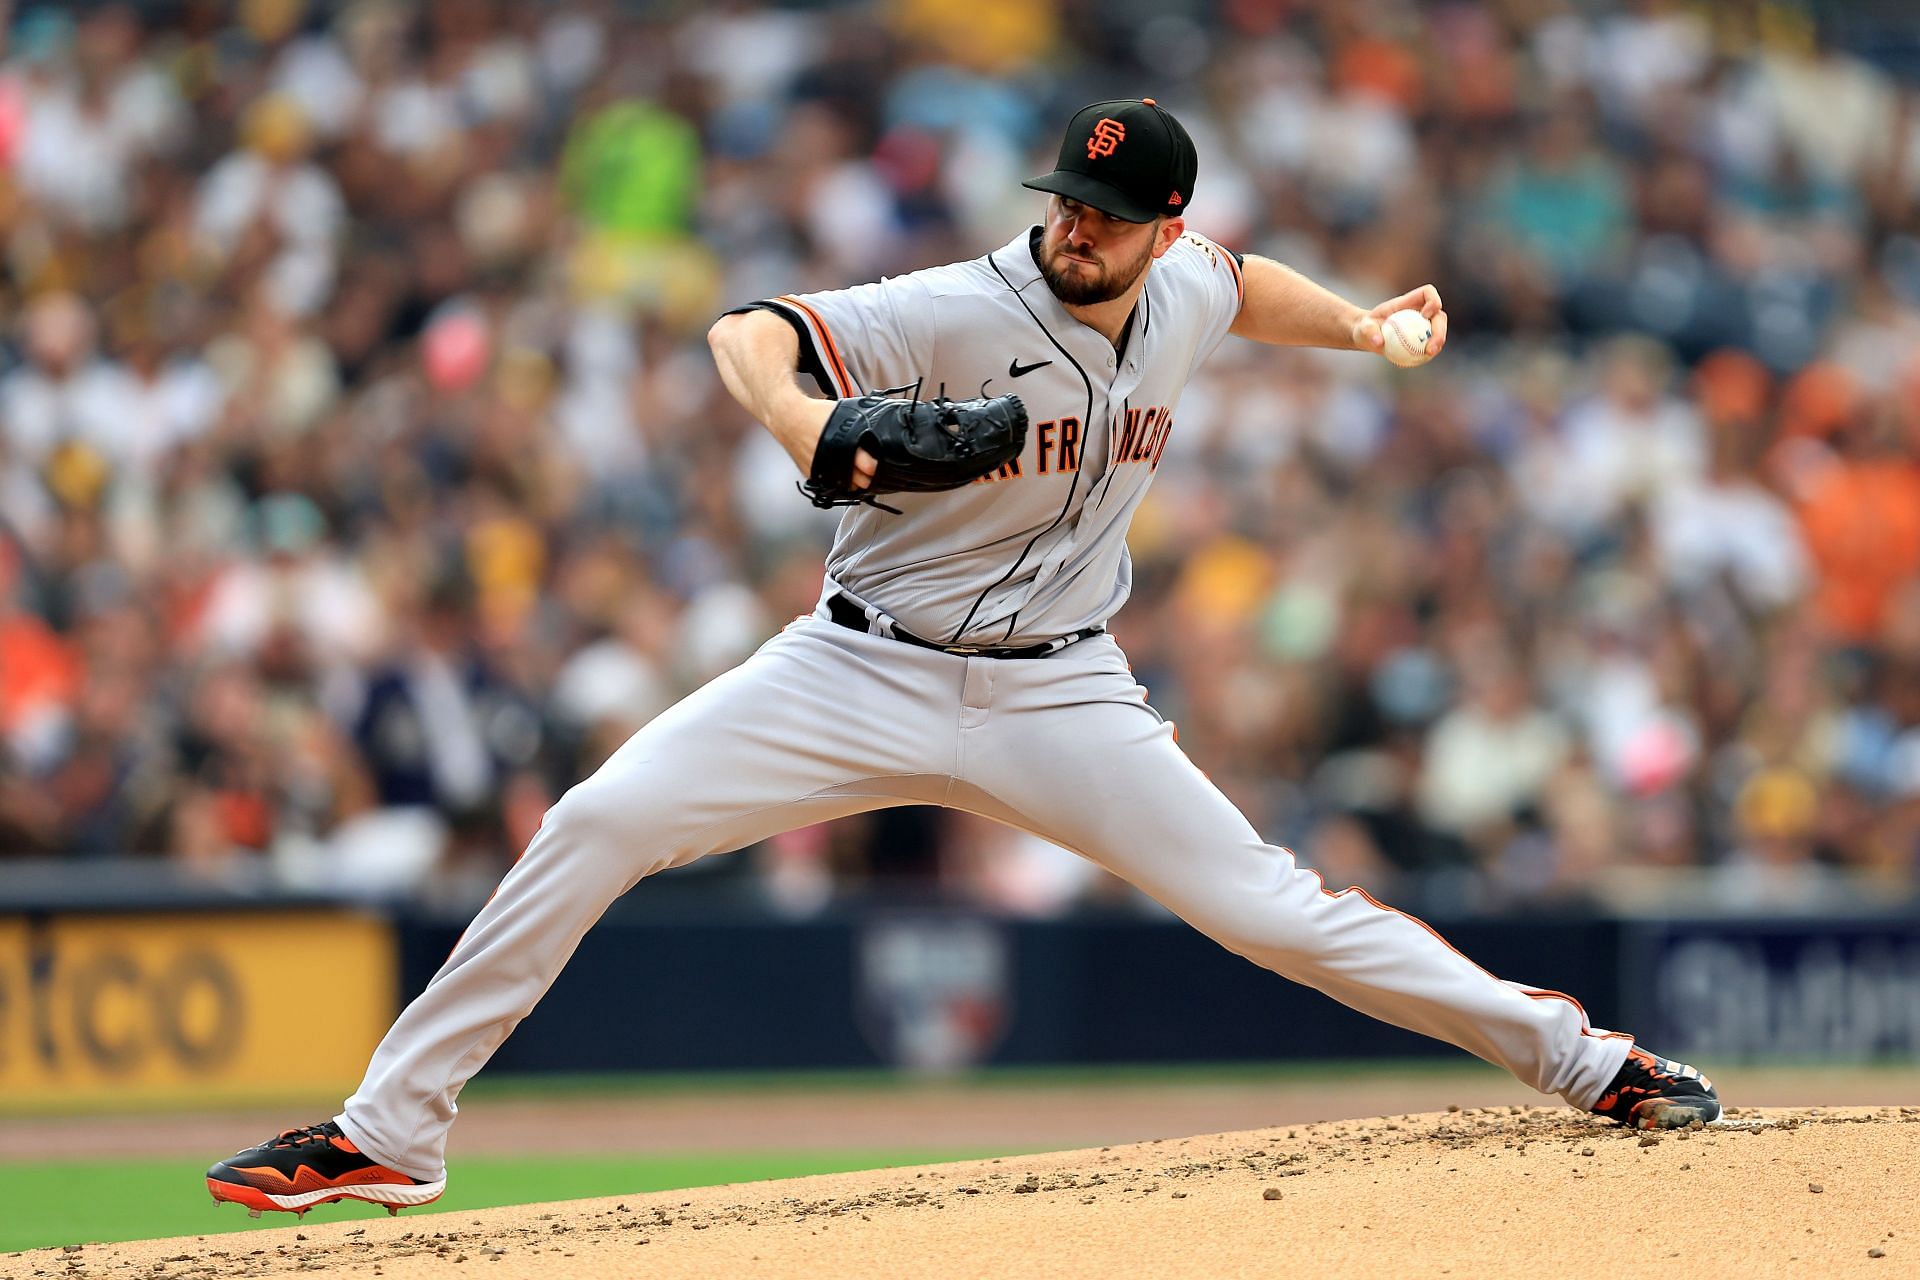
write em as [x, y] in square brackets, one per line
[1212, 277]
[867, 338]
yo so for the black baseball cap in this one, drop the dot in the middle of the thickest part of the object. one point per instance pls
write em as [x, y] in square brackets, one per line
[1127, 157]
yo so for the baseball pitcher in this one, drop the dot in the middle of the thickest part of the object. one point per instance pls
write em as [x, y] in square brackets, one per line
[963, 623]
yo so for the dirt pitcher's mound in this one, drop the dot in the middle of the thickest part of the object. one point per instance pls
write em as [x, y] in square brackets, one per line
[1488, 1191]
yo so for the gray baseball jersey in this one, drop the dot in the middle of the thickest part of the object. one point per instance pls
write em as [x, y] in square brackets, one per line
[1039, 548]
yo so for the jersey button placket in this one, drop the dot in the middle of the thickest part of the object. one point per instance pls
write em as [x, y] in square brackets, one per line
[1120, 388]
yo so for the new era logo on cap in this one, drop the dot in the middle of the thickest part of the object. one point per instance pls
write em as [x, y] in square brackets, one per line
[1127, 157]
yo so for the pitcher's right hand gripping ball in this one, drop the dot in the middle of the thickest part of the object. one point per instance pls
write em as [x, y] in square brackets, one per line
[920, 446]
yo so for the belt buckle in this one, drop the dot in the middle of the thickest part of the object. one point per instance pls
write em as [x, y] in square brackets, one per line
[962, 650]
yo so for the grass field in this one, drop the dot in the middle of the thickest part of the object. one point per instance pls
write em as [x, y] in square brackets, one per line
[48, 1203]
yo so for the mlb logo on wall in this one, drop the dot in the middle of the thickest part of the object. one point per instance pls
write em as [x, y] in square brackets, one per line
[933, 991]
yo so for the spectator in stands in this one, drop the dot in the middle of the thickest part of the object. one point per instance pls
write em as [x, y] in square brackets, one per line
[1861, 517]
[1491, 757]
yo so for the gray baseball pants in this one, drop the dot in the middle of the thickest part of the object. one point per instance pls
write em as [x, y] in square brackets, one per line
[825, 721]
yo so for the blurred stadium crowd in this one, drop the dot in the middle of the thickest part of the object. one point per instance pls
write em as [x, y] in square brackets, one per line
[366, 480]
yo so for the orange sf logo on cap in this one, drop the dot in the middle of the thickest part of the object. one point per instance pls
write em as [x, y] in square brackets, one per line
[1107, 135]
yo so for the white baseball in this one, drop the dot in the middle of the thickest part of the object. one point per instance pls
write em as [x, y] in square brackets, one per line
[1406, 333]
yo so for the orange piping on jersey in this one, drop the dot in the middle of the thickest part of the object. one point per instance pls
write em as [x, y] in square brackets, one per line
[1239, 280]
[837, 366]
[1532, 993]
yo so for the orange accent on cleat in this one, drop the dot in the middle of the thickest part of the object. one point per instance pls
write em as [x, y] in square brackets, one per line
[245, 1197]
[306, 1179]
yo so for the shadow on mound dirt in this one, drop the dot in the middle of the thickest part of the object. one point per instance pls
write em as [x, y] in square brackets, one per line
[1485, 1191]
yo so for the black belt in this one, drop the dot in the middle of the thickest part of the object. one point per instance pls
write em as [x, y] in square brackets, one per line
[846, 611]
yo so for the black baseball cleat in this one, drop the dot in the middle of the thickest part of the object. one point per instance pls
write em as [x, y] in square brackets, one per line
[1657, 1093]
[315, 1165]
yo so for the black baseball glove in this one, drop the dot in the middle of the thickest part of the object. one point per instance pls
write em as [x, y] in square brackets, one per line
[922, 446]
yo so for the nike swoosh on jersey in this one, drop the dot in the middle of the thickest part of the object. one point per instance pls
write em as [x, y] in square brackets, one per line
[1015, 369]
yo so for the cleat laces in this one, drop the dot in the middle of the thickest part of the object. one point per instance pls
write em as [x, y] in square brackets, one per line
[301, 1137]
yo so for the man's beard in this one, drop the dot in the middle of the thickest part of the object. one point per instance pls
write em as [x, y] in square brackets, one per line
[1083, 290]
